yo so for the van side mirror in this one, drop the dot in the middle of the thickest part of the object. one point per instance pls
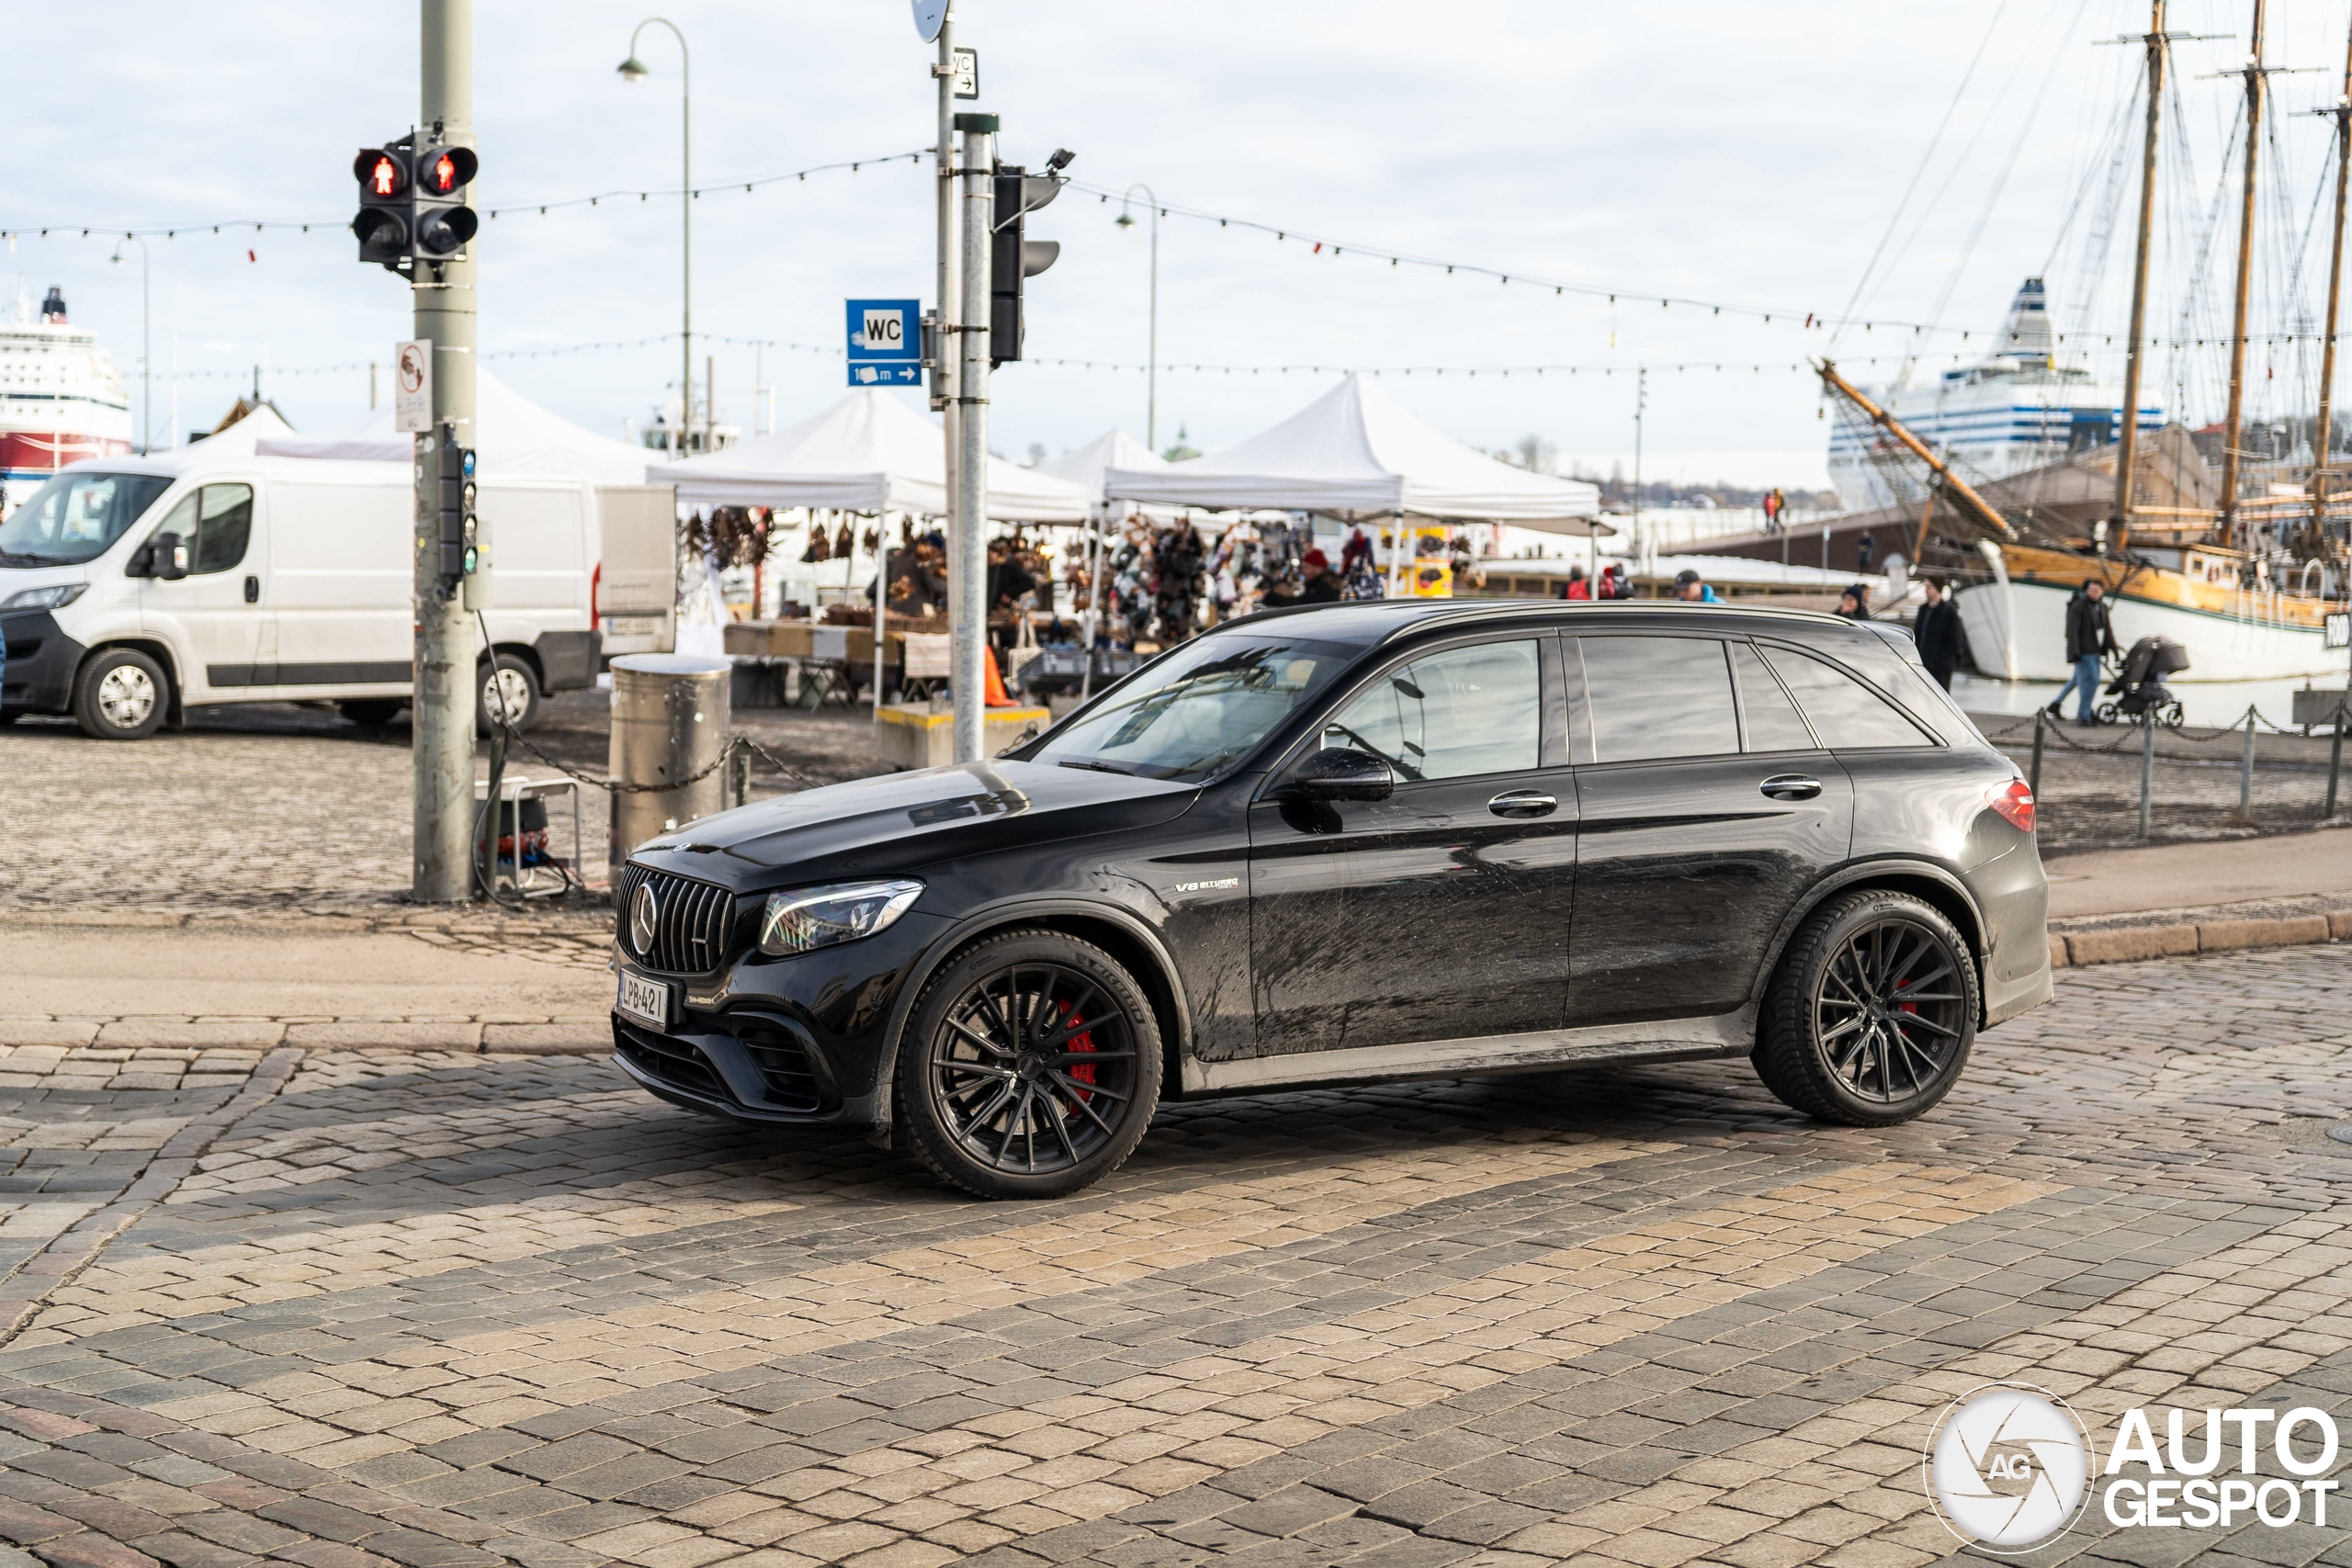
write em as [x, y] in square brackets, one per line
[168, 558]
[1342, 772]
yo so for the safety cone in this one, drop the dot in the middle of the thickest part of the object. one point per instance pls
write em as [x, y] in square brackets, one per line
[995, 695]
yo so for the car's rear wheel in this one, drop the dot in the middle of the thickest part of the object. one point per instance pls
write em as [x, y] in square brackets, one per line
[1871, 1013]
[371, 713]
[1029, 1066]
[508, 688]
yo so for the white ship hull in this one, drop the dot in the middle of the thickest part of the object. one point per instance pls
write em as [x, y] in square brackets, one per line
[2018, 631]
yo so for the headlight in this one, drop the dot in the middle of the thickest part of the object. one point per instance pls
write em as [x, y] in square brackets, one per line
[822, 916]
[57, 595]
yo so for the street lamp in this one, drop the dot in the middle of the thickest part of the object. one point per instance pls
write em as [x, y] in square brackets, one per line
[635, 70]
[146, 355]
[1151, 372]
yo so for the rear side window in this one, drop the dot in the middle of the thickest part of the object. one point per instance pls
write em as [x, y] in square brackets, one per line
[1771, 720]
[1658, 696]
[1847, 714]
[1454, 714]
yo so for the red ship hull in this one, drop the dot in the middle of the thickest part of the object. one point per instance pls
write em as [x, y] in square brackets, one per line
[24, 453]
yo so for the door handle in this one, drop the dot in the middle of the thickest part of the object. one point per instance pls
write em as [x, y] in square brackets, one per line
[1522, 803]
[1790, 786]
[253, 590]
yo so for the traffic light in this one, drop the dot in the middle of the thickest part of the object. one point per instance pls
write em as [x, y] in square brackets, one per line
[1014, 259]
[383, 222]
[458, 526]
[443, 222]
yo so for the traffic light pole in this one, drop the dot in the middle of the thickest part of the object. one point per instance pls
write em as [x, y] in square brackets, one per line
[444, 702]
[968, 540]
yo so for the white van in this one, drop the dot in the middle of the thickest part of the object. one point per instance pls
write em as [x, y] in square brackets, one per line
[133, 589]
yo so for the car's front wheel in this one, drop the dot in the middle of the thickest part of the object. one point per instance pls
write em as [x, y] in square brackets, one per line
[1029, 1066]
[1869, 1017]
[121, 694]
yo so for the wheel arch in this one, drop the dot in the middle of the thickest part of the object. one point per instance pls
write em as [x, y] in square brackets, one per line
[523, 654]
[1117, 931]
[1932, 885]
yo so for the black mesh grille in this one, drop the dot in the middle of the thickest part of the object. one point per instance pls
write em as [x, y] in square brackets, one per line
[784, 1063]
[692, 922]
[671, 1061]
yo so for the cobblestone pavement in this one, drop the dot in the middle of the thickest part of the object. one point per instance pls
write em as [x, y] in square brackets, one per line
[346, 1309]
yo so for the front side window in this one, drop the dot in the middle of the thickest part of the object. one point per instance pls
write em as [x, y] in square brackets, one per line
[76, 516]
[1653, 697]
[1454, 714]
[1198, 710]
[224, 524]
[1847, 714]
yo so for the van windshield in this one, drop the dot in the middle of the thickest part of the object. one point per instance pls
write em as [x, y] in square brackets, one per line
[76, 516]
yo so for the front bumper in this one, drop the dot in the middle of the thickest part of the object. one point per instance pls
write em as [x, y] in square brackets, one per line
[42, 663]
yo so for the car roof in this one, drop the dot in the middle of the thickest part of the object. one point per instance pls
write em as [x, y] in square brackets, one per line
[1369, 622]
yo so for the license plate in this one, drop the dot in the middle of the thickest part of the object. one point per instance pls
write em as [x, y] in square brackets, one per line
[632, 626]
[645, 1000]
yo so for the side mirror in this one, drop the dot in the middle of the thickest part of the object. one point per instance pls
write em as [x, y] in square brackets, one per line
[169, 557]
[1342, 772]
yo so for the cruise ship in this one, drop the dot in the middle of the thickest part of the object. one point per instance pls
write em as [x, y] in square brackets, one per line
[61, 398]
[2019, 409]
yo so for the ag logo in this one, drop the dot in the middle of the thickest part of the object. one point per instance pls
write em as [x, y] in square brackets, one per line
[2007, 1467]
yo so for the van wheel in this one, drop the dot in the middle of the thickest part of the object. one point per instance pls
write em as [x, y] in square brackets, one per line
[1871, 1015]
[1029, 1066]
[371, 713]
[120, 695]
[508, 682]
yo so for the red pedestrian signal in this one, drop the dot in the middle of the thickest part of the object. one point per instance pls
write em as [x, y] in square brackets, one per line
[383, 222]
[447, 170]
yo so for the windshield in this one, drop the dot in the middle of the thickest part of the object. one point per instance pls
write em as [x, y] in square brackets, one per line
[1199, 709]
[76, 516]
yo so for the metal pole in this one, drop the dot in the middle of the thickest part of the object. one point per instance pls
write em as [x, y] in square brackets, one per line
[948, 311]
[2147, 766]
[1641, 404]
[967, 543]
[2128, 450]
[632, 70]
[2324, 438]
[2336, 755]
[2234, 421]
[445, 662]
[2033, 773]
[2246, 771]
[1151, 350]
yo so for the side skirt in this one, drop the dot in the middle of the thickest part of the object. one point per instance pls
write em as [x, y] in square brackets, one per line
[1671, 1040]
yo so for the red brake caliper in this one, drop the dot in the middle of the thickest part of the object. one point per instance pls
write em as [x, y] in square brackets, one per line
[1084, 1071]
[1906, 1007]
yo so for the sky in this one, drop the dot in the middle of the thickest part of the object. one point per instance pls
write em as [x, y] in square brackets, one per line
[1903, 165]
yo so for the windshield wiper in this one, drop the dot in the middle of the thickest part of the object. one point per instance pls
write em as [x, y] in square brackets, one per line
[1103, 768]
[11, 558]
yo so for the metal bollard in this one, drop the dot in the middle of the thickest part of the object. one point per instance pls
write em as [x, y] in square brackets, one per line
[2147, 766]
[2033, 774]
[2245, 774]
[738, 776]
[2336, 755]
[670, 725]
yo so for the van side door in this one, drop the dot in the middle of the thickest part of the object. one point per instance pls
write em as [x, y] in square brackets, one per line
[212, 619]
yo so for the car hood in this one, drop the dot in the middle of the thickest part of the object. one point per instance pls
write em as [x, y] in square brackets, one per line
[901, 822]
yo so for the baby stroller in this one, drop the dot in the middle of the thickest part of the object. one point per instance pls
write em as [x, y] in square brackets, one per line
[2139, 687]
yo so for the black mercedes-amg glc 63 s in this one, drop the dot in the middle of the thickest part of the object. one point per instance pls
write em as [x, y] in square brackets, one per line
[1353, 843]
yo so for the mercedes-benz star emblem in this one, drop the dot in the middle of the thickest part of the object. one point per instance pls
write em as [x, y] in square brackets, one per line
[644, 919]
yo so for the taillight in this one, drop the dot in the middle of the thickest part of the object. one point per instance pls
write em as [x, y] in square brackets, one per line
[2014, 801]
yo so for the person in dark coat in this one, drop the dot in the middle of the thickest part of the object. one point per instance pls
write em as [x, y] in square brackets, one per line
[2088, 639]
[1937, 631]
[1854, 602]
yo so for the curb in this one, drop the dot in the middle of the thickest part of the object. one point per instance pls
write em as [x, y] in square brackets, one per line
[2129, 944]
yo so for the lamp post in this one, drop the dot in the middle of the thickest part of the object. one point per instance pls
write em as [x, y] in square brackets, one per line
[1151, 371]
[146, 348]
[635, 70]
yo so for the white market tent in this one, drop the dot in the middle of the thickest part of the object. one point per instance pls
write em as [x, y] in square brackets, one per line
[867, 452]
[1355, 453]
[1113, 448]
[512, 436]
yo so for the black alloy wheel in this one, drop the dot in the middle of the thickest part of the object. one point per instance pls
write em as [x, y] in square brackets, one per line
[1871, 1014]
[1030, 1067]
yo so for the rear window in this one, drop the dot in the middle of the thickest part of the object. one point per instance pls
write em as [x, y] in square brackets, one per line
[1658, 696]
[1846, 714]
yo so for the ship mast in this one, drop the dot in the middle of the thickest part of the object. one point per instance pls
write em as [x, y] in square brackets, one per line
[2322, 439]
[2235, 421]
[2127, 453]
[1940, 479]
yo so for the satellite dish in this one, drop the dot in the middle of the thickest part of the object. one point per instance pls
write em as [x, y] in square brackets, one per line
[930, 17]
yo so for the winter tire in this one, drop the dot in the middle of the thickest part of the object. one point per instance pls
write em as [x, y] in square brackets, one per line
[508, 681]
[120, 695]
[1029, 1066]
[1869, 1017]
